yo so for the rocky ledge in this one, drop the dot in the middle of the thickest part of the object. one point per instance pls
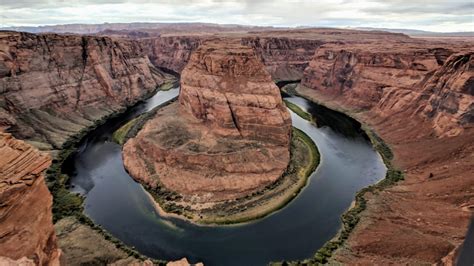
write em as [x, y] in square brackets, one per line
[25, 208]
[53, 87]
[227, 138]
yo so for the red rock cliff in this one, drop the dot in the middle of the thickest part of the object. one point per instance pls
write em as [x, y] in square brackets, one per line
[225, 85]
[284, 58]
[53, 86]
[420, 101]
[398, 78]
[26, 230]
[171, 52]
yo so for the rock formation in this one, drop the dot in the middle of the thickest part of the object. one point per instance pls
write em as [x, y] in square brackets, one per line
[228, 136]
[229, 89]
[53, 86]
[26, 231]
[447, 97]
[171, 52]
[417, 94]
[284, 58]
[391, 78]
[420, 101]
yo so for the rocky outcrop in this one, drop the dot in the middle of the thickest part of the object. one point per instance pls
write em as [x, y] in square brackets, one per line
[53, 86]
[397, 79]
[228, 136]
[360, 73]
[26, 231]
[284, 58]
[447, 97]
[419, 100]
[230, 90]
[171, 52]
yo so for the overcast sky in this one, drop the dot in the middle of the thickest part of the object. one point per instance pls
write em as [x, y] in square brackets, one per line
[432, 15]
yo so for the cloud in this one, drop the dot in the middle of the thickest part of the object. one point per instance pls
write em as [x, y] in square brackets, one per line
[435, 15]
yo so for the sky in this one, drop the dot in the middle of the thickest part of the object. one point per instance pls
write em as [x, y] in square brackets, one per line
[430, 15]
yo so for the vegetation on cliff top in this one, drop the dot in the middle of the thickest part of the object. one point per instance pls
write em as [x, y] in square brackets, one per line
[299, 111]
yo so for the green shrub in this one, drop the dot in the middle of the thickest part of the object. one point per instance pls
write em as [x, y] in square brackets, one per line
[296, 109]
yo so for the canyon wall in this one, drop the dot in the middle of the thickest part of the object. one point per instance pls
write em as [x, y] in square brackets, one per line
[54, 86]
[171, 52]
[284, 58]
[419, 98]
[395, 79]
[26, 231]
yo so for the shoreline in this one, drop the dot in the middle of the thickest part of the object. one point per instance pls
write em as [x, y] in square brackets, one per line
[57, 181]
[266, 207]
[350, 218]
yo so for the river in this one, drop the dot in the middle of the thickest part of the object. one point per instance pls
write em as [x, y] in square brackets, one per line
[121, 206]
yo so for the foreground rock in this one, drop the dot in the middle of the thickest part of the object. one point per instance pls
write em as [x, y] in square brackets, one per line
[27, 233]
[227, 138]
[420, 101]
[54, 86]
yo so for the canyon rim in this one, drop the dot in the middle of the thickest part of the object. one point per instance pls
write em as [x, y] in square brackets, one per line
[229, 146]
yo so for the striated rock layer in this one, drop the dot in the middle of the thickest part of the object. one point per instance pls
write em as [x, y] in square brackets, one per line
[419, 100]
[54, 86]
[399, 76]
[26, 231]
[230, 90]
[284, 58]
[171, 52]
[228, 136]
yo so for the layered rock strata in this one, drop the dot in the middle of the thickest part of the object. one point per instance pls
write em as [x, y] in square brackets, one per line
[171, 52]
[54, 86]
[433, 83]
[227, 137]
[420, 101]
[26, 231]
[284, 58]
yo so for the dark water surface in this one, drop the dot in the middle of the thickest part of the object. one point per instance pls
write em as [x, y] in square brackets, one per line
[121, 206]
[466, 256]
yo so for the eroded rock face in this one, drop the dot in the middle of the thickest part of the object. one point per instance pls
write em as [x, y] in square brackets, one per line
[53, 86]
[422, 107]
[284, 58]
[230, 90]
[227, 137]
[447, 97]
[171, 52]
[400, 78]
[27, 233]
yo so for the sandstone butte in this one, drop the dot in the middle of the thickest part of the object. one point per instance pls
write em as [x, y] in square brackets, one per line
[227, 137]
[26, 231]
